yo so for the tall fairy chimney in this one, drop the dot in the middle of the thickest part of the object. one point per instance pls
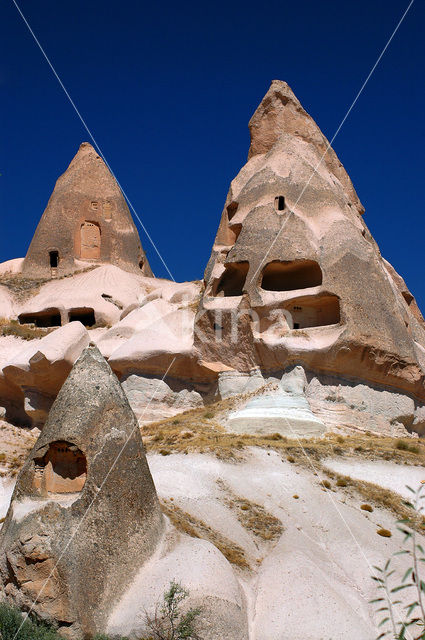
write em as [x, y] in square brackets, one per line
[86, 222]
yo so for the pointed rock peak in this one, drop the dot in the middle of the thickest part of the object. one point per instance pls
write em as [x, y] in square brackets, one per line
[87, 154]
[279, 112]
[90, 389]
[86, 220]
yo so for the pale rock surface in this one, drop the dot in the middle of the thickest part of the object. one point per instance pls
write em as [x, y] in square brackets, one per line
[315, 582]
[232, 383]
[287, 271]
[286, 411]
[105, 289]
[83, 516]
[384, 474]
[204, 572]
[7, 307]
[152, 398]
[354, 405]
[86, 222]
[11, 266]
[160, 339]
[40, 368]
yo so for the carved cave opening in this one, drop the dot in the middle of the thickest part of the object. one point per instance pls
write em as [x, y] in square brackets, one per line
[47, 318]
[279, 203]
[53, 259]
[90, 240]
[289, 276]
[85, 315]
[315, 312]
[233, 279]
[62, 469]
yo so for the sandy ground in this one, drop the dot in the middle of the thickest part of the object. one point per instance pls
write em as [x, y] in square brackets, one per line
[313, 582]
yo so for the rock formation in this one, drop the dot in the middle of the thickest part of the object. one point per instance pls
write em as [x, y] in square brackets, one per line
[84, 515]
[86, 222]
[285, 410]
[295, 276]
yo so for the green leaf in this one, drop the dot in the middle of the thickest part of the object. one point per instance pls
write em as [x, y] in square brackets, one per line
[411, 608]
[402, 586]
[407, 574]
[383, 622]
[418, 546]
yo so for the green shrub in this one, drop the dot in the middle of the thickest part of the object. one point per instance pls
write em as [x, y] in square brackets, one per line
[14, 626]
[168, 622]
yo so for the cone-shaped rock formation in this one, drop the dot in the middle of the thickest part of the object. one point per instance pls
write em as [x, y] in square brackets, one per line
[84, 515]
[295, 276]
[86, 222]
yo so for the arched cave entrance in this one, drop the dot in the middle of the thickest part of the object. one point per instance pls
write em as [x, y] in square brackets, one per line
[233, 279]
[90, 240]
[85, 315]
[63, 469]
[288, 276]
[47, 318]
[315, 312]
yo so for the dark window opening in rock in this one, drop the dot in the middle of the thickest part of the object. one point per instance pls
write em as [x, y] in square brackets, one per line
[231, 210]
[279, 203]
[315, 312]
[46, 318]
[408, 297]
[62, 469]
[233, 279]
[141, 263]
[85, 315]
[54, 259]
[289, 276]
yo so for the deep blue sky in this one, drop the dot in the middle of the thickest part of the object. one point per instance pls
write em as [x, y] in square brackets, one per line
[167, 89]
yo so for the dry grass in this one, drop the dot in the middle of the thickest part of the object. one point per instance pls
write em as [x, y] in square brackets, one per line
[23, 331]
[200, 430]
[16, 443]
[22, 287]
[195, 528]
[252, 516]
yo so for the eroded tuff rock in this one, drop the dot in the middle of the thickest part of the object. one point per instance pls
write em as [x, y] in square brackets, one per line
[86, 222]
[295, 276]
[84, 515]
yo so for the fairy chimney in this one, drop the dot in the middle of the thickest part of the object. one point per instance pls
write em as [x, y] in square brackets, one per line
[86, 222]
[84, 515]
[295, 276]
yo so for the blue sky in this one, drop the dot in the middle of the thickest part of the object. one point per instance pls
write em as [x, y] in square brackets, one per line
[167, 90]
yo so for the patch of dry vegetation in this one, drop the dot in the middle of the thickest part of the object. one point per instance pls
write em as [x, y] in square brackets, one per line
[15, 445]
[22, 287]
[195, 528]
[201, 430]
[23, 331]
[252, 516]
